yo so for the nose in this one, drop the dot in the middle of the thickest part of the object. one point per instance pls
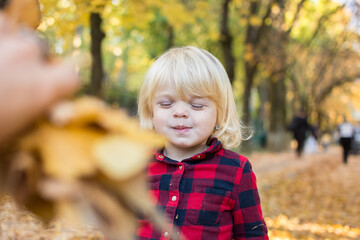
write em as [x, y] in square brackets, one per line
[180, 110]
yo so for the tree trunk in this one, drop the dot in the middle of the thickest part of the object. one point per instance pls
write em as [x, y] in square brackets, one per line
[226, 41]
[171, 37]
[277, 139]
[97, 73]
[252, 39]
[250, 71]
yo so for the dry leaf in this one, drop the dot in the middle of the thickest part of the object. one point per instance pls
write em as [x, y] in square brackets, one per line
[79, 112]
[91, 167]
[67, 152]
[119, 157]
[117, 221]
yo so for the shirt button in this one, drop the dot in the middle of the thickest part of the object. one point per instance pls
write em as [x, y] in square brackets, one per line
[166, 234]
[180, 167]
[177, 216]
[173, 198]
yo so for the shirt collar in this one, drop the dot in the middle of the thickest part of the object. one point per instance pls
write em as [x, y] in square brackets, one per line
[214, 146]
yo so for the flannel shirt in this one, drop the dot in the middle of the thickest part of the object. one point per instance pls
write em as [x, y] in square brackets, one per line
[212, 195]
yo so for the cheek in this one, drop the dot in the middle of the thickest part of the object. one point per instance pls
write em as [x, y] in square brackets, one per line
[212, 117]
[207, 122]
[158, 119]
[212, 123]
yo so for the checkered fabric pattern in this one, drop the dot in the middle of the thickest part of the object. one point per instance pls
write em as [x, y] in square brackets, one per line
[212, 195]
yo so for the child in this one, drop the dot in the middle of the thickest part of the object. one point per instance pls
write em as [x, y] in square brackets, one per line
[205, 190]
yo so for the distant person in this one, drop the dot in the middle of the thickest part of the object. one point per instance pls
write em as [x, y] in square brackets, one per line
[346, 134]
[356, 140]
[325, 141]
[300, 127]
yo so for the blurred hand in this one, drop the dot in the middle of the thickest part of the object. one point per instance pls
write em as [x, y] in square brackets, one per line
[29, 84]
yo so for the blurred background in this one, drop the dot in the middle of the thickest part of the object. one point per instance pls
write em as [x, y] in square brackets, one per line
[282, 56]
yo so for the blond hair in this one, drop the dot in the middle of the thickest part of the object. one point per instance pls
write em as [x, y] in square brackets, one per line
[193, 70]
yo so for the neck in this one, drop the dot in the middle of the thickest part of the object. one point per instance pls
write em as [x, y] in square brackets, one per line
[180, 154]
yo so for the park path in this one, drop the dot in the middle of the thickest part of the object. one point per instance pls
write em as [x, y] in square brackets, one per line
[271, 162]
[314, 197]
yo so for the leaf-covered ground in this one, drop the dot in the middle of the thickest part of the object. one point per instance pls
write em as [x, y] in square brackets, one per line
[315, 197]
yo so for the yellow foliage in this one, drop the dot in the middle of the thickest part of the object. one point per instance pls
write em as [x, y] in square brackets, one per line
[214, 35]
[119, 157]
[249, 53]
[177, 15]
[201, 9]
[255, 21]
[81, 160]
[66, 152]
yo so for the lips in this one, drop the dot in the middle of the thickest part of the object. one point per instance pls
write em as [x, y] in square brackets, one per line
[181, 129]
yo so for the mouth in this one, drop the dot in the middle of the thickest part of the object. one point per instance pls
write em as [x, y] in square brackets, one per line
[181, 129]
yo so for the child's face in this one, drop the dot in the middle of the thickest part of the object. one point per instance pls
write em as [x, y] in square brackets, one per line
[186, 123]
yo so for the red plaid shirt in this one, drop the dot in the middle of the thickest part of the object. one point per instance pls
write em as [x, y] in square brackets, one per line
[212, 195]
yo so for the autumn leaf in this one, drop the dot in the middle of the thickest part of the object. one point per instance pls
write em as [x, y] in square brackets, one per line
[118, 156]
[80, 162]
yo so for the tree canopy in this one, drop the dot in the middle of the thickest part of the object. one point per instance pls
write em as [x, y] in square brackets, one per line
[280, 54]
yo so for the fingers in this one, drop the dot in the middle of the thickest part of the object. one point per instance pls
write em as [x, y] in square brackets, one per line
[29, 84]
[58, 80]
[25, 96]
[25, 64]
[4, 24]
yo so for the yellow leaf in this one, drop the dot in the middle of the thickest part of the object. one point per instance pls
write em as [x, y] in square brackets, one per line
[116, 121]
[119, 157]
[82, 111]
[66, 152]
[255, 21]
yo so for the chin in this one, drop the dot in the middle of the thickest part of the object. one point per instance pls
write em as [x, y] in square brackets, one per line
[186, 145]
[181, 144]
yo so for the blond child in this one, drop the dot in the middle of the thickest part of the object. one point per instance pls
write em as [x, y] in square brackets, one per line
[205, 190]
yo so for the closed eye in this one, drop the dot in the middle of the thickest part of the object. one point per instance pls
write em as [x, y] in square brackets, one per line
[165, 104]
[197, 106]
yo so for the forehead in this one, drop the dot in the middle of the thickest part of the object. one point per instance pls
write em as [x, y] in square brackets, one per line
[171, 90]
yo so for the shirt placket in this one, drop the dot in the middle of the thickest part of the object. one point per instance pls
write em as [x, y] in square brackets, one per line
[173, 201]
